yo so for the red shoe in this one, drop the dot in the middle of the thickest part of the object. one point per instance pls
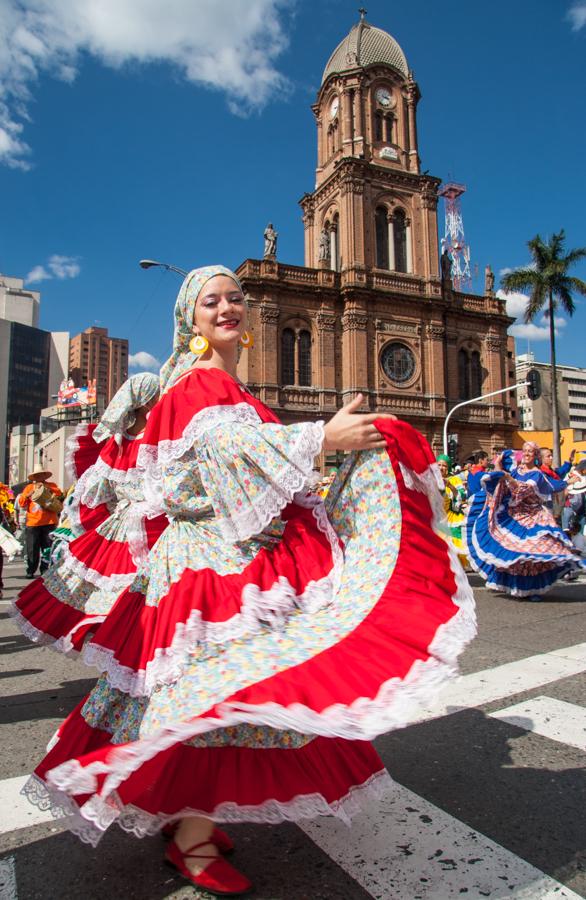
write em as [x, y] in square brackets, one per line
[219, 877]
[223, 842]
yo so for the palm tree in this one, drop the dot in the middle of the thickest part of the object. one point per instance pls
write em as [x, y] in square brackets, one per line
[549, 285]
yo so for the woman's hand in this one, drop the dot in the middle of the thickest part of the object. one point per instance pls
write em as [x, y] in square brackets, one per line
[349, 430]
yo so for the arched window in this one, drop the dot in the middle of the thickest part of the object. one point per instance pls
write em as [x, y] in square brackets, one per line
[288, 356]
[475, 374]
[389, 129]
[304, 345]
[378, 126]
[463, 375]
[382, 238]
[400, 236]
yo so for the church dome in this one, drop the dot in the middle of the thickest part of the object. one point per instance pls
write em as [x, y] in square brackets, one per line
[366, 46]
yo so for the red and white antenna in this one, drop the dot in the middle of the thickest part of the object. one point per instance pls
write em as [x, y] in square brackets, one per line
[454, 240]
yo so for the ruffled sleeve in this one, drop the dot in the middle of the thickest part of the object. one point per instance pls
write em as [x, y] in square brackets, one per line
[250, 473]
[544, 486]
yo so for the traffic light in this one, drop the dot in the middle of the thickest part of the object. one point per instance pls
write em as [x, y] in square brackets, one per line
[533, 379]
[453, 447]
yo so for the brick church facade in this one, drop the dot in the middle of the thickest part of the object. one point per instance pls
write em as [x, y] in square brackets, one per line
[370, 311]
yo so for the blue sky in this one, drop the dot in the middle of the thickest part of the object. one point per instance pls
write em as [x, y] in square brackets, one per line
[178, 130]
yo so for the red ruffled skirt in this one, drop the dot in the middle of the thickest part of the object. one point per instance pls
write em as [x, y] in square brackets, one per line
[244, 681]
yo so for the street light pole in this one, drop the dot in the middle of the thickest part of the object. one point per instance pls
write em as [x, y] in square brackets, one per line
[511, 387]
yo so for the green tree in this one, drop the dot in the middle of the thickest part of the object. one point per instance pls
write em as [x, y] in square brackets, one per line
[550, 288]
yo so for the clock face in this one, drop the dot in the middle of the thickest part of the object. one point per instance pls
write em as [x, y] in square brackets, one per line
[398, 362]
[334, 105]
[384, 97]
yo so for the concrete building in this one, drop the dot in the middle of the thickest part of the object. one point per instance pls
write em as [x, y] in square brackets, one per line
[17, 304]
[370, 310]
[32, 364]
[536, 415]
[93, 354]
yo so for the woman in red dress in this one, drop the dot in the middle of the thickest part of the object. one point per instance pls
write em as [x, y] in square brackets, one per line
[109, 520]
[270, 635]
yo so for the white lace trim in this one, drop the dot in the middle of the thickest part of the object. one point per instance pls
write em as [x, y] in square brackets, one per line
[91, 821]
[160, 455]
[116, 582]
[71, 448]
[63, 644]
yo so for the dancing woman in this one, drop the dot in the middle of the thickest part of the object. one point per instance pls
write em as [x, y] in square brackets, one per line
[513, 540]
[108, 517]
[270, 636]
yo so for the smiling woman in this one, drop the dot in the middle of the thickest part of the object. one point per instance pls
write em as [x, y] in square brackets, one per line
[269, 635]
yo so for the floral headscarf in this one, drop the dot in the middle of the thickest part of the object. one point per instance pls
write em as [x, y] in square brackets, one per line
[119, 414]
[182, 358]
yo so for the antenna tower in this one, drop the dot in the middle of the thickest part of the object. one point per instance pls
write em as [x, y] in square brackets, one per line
[454, 240]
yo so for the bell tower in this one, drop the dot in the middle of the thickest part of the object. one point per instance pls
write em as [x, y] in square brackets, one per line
[371, 208]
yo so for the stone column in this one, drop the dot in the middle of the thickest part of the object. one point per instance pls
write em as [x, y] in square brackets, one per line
[391, 244]
[354, 352]
[409, 246]
[326, 375]
[346, 118]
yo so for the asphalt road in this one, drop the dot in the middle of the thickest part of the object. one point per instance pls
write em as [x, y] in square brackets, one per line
[489, 801]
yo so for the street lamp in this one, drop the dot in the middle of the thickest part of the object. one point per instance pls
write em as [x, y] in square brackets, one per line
[149, 263]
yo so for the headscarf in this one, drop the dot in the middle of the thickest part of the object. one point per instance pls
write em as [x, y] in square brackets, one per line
[119, 415]
[443, 457]
[182, 358]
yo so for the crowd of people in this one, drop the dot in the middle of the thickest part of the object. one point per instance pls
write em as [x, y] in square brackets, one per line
[254, 630]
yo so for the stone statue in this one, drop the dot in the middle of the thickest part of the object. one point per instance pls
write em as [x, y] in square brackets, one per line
[324, 245]
[446, 266]
[270, 236]
[488, 280]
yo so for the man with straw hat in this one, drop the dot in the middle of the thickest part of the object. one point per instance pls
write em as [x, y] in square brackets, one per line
[41, 499]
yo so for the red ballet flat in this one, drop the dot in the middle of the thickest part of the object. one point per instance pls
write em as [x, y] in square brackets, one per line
[223, 842]
[218, 878]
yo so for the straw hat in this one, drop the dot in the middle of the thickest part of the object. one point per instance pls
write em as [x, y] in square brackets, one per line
[37, 473]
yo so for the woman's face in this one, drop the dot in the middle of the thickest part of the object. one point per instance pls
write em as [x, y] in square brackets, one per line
[220, 313]
[443, 467]
[528, 457]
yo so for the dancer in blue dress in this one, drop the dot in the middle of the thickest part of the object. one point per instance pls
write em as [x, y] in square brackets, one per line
[512, 539]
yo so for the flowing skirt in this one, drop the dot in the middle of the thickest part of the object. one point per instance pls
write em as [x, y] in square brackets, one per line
[244, 681]
[514, 542]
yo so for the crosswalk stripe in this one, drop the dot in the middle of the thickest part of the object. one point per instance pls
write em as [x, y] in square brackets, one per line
[551, 718]
[503, 681]
[17, 812]
[405, 847]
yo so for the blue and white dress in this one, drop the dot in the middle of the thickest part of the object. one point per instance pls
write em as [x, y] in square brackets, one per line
[512, 538]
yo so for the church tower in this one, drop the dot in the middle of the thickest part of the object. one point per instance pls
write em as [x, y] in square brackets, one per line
[370, 311]
[371, 207]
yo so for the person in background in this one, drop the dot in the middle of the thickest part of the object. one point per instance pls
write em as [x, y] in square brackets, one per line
[7, 542]
[547, 464]
[455, 502]
[41, 519]
[479, 469]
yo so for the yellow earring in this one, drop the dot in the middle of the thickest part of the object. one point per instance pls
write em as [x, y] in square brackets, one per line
[247, 340]
[198, 345]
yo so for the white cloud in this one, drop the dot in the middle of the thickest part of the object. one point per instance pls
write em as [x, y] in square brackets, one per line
[60, 267]
[227, 45]
[144, 360]
[516, 304]
[577, 16]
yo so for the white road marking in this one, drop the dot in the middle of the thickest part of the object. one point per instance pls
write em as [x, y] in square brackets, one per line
[551, 718]
[17, 812]
[405, 847]
[7, 879]
[504, 681]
